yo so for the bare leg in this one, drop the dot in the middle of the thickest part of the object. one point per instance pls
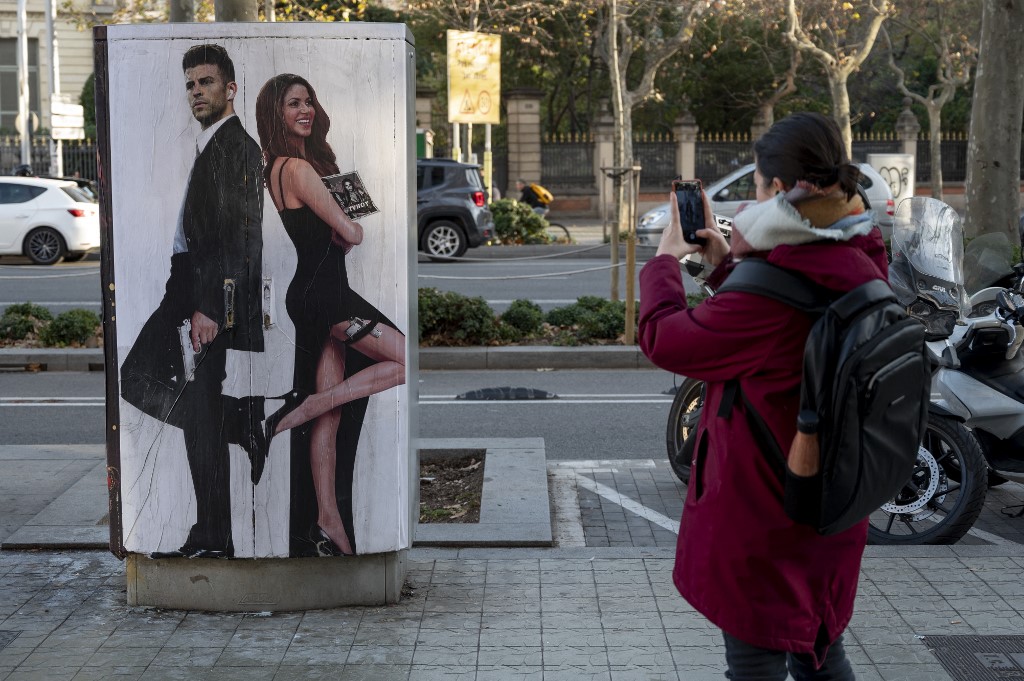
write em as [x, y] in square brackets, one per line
[323, 455]
[388, 350]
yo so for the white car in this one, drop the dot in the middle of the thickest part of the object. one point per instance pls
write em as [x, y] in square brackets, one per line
[736, 190]
[47, 220]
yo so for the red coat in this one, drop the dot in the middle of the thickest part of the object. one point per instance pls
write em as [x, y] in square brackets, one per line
[740, 560]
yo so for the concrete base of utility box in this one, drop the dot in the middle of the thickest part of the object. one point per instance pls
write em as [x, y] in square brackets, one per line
[266, 584]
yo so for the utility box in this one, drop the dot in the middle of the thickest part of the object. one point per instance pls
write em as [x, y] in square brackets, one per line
[258, 269]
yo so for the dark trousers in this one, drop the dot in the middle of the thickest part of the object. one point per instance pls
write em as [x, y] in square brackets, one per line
[750, 663]
[153, 379]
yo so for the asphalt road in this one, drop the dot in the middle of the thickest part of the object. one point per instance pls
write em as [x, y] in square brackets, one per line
[550, 283]
[59, 287]
[597, 414]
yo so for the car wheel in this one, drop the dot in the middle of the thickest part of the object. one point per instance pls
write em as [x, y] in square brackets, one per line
[44, 246]
[74, 257]
[443, 240]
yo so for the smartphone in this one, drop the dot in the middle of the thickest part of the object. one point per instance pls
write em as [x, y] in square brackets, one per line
[690, 198]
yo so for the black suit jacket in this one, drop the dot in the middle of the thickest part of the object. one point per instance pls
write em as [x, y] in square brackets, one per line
[223, 224]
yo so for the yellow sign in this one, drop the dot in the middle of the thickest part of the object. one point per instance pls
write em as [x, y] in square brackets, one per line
[474, 77]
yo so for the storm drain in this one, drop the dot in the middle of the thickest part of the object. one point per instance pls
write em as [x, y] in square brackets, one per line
[507, 393]
[979, 658]
[6, 637]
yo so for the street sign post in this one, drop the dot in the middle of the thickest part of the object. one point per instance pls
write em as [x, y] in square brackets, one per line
[67, 121]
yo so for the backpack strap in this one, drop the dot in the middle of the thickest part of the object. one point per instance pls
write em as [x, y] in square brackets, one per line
[760, 277]
[731, 396]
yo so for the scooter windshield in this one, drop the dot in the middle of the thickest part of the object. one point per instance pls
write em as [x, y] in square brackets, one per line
[928, 235]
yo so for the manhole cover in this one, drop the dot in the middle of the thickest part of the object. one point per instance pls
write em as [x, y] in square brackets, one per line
[979, 658]
[6, 637]
[507, 393]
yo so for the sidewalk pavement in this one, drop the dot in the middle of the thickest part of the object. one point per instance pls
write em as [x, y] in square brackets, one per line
[576, 612]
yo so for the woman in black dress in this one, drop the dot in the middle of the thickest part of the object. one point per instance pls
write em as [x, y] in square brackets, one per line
[345, 349]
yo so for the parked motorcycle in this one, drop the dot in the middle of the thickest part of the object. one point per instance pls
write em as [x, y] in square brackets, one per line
[975, 434]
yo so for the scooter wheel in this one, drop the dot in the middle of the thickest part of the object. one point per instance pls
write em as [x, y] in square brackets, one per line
[945, 493]
[682, 427]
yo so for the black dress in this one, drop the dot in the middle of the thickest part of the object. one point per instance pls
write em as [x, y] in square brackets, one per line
[318, 298]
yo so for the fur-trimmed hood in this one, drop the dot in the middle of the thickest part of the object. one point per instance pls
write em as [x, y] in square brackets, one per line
[776, 222]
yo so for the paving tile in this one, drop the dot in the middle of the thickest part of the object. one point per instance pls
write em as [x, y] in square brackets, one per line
[912, 672]
[880, 654]
[119, 673]
[446, 637]
[187, 656]
[51, 674]
[511, 656]
[644, 673]
[315, 656]
[576, 673]
[381, 635]
[438, 655]
[363, 672]
[518, 638]
[252, 656]
[572, 638]
[441, 673]
[376, 655]
[509, 674]
[575, 656]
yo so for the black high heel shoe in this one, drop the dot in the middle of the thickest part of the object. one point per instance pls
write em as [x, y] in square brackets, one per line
[291, 400]
[325, 546]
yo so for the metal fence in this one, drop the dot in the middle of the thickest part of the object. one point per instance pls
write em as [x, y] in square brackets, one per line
[567, 162]
[657, 158]
[79, 157]
[716, 159]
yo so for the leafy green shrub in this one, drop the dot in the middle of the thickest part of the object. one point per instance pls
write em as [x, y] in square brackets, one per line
[29, 310]
[516, 223]
[591, 318]
[449, 318]
[607, 321]
[525, 316]
[563, 316]
[73, 327]
[16, 326]
[21, 320]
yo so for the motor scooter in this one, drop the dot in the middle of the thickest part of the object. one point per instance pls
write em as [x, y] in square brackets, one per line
[975, 434]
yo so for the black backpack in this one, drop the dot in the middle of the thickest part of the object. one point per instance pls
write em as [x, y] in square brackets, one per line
[867, 377]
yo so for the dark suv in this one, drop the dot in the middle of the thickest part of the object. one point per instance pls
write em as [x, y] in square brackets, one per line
[451, 207]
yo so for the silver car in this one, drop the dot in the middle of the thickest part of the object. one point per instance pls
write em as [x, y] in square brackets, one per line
[737, 190]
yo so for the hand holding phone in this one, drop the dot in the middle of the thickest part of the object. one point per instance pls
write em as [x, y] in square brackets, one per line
[690, 199]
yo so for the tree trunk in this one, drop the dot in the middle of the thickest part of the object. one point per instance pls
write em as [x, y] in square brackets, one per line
[935, 145]
[993, 149]
[841, 108]
[182, 11]
[235, 10]
[619, 114]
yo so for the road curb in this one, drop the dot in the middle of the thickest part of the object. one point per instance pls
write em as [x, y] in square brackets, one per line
[430, 359]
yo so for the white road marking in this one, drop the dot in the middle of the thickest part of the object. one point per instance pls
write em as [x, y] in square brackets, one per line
[52, 404]
[536, 402]
[567, 519]
[58, 303]
[628, 504]
[603, 463]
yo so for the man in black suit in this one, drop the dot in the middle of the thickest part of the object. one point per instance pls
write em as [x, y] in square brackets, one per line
[214, 293]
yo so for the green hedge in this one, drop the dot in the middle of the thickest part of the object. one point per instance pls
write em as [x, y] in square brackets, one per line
[30, 322]
[448, 318]
[516, 223]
